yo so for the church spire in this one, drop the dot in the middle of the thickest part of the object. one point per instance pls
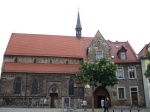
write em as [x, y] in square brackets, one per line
[78, 27]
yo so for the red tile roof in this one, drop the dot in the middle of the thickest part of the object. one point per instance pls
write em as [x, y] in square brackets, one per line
[57, 46]
[144, 51]
[116, 46]
[47, 45]
[41, 68]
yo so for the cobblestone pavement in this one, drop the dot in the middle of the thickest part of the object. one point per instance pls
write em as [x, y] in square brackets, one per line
[61, 110]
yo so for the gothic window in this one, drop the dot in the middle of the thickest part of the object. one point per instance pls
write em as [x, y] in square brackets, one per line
[17, 85]
[16, 60]
[35, 60]
[79, 91]
[34, 87]
[67, 62]
[71, 87]
[50, 61]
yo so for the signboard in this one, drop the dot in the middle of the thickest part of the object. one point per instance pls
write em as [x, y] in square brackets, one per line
[43, 101]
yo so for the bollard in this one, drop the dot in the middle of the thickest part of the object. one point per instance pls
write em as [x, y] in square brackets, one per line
[121, 110]
[130, 110]
[138, 110]
[113, 110]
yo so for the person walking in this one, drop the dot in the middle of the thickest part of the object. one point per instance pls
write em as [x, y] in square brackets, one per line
[106, 105]
[85, 104]
[102, 103]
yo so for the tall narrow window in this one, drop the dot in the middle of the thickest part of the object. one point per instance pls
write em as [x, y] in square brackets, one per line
[121, 93]
[17, 85]
[71, 87]
[35, 60]
[123, 56]
[99, 54]
[120, 73]
[67, 62]
[16, 60]
[50, 61]
[131, 72]
[34, 87]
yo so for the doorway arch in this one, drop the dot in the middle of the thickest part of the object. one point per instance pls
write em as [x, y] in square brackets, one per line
[100, 93]
[54, 95]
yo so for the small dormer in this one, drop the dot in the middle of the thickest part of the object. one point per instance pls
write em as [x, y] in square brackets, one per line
[122, 53]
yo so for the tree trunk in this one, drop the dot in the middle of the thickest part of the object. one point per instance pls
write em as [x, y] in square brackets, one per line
[92, 94]
[92, 98]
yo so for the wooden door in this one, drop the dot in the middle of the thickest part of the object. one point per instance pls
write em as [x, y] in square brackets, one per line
[134, 98]
[100, 93]
[53, 97]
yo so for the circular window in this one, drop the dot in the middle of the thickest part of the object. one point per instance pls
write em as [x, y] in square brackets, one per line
[98, 42]
[54, 89]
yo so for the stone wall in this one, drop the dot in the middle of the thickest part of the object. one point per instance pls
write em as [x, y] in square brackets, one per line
[50, 60]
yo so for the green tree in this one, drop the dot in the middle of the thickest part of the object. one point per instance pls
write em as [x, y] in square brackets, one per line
[102, 71]
[147, 72]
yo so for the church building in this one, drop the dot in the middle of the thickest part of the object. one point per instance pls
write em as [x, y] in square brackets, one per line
[40, 70]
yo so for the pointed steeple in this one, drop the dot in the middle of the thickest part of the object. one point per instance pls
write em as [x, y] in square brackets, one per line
[78, 27]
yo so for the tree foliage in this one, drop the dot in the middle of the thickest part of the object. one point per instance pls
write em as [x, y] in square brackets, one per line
[148, 55]
[102, 71]
[147, 72]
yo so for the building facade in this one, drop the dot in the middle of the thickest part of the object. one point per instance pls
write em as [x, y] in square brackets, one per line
[129, 90]
[144, 61]
[39, 70]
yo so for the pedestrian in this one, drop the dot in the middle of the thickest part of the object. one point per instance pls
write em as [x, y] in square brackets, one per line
[82, 104]
[102, 103]
[85, 104]
[106, 105]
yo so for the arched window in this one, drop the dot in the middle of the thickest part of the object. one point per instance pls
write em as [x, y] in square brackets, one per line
[50, 61]
[71, 87]
[34, 87]
[35, 60]
[67, 62]
[17, 85]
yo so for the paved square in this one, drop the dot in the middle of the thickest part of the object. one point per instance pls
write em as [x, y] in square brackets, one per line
[60, 110]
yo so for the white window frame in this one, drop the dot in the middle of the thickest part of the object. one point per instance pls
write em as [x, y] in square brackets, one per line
[122, 73]
[98, 56]
[134, 72]
[123, 55]
[118, 93]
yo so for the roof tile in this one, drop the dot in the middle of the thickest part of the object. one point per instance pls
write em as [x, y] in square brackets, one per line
[115, 47]
[41, 68]
[47, 45]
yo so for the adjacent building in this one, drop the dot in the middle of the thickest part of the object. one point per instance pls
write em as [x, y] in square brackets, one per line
[39, 70]
[144, 61]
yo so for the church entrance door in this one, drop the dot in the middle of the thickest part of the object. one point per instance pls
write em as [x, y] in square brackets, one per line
[100, 93]
[53, 97]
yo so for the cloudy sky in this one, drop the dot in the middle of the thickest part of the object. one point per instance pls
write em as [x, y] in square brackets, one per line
[122, 20]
